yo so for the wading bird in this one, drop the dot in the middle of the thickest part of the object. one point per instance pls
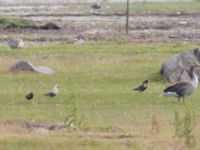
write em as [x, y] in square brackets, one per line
[53, 92]
[142, 87]
[185, 87]
[29, 96]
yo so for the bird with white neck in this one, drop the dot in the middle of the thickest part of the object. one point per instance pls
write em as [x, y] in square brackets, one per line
[53, 92]
[183, 88]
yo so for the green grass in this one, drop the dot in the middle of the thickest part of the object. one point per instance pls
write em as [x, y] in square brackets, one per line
[165, 7]
[112, 8]
[13, 23]
[96, 78]
[109, 8]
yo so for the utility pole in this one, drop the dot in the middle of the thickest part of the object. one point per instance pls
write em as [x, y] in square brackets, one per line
[127, 16]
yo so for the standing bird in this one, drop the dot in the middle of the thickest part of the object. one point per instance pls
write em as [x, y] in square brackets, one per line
[29, 96]
[185, 87]
[53, 92]
[142, 87]
[96, 6]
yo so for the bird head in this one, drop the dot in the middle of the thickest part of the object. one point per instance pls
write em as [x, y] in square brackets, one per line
[58, 86]
[146, 81]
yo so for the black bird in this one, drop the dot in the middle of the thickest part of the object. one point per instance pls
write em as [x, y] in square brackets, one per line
[185, 87]
[142, 87]
[96, 6]
[53, 92]
[29, 96]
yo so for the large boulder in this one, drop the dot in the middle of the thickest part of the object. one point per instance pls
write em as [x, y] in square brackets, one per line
[27, 66]
[177, 67]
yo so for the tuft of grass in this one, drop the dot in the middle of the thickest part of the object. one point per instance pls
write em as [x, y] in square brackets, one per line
[184, 127]
[15, 23]
[177, 124]
[73, 120]
[188, 128]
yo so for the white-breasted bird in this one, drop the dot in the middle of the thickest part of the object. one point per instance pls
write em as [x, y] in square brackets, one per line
[53, 92]
[183, 88]
[142, 87]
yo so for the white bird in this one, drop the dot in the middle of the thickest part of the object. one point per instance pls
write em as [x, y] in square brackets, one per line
[185, 87]
[53, 92]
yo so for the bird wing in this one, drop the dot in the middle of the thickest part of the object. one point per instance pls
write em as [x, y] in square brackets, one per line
[27, 96]
[142, 86]
[181, 88]
[138, 88]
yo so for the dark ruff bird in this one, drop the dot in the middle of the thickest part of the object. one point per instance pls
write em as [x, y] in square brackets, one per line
[142, 87]
[96, 6]
[53, 92]
[183, 88]
[29, 96]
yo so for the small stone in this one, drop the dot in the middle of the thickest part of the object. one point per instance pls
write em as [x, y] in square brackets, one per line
[16, 43]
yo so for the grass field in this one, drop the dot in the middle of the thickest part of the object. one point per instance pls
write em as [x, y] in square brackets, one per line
[107, 8]
[110, 8]
[96, 79]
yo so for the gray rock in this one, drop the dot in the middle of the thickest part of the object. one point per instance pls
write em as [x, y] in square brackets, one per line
[16, 43]
[44, 69]
[22, 66]
[27, 66]
[177, 67]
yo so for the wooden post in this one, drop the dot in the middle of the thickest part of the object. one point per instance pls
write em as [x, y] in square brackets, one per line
[127, 16]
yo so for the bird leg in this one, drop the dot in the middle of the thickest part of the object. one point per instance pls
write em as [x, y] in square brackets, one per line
[181, 100]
